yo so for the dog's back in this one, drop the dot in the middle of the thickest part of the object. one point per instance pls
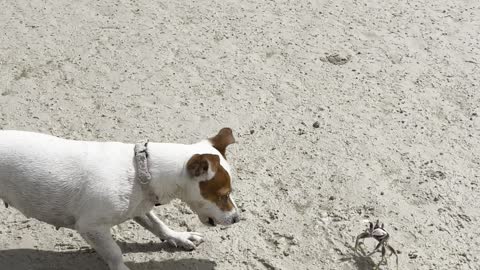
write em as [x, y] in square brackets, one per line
[53, 179]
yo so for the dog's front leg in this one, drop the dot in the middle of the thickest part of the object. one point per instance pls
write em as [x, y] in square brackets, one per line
[101, 240]
[186, 240]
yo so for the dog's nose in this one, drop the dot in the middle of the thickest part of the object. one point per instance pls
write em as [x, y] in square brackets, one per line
[235, 219]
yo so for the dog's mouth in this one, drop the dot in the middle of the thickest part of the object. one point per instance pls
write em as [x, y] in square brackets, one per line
[211, 221]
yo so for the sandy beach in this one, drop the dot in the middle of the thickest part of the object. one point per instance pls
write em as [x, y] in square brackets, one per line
[344, 112]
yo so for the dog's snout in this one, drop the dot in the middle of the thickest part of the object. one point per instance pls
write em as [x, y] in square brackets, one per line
[235, 219]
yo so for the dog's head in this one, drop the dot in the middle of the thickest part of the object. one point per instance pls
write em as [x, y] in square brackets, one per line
[209, 190]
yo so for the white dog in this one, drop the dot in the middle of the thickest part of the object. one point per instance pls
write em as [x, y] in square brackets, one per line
[92, 186]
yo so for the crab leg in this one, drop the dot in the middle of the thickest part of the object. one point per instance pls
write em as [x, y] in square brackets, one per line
[380, 243]
[382, 259]
[393, 252]
[360, 236]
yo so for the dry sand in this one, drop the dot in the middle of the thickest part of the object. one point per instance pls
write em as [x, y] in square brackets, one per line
[392, 88]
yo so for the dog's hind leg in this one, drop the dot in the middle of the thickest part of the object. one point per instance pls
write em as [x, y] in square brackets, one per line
[186, 240]
[101, 240]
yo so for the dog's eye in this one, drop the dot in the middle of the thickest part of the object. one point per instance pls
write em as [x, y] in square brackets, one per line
[223, 198]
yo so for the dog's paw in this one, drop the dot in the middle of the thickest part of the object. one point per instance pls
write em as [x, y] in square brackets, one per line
[185, 240]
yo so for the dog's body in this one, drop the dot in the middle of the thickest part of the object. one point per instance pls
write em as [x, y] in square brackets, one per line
[92, 186]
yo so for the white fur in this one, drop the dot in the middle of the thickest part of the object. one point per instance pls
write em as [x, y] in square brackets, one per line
[91, 186]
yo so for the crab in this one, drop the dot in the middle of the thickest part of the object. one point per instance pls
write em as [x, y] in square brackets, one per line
[378, 233]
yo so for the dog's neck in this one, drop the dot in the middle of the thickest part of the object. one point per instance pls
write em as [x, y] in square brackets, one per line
[166, 163]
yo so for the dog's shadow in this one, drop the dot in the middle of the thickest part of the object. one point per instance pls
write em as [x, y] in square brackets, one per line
[32, 259]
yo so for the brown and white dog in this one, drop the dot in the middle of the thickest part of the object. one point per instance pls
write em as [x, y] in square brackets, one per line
[92, 186]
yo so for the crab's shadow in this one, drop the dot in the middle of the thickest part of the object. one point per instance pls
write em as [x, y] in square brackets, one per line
[33, 259]
[360, 260]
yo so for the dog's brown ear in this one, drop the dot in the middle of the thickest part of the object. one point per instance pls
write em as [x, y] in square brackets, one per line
[223, 139]
[203, 167]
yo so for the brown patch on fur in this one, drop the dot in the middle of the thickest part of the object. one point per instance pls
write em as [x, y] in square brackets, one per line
[199, 164]
[223, 139]
[217, 189]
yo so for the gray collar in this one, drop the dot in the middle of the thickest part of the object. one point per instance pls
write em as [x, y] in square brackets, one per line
[141, 160]
[143, 173]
